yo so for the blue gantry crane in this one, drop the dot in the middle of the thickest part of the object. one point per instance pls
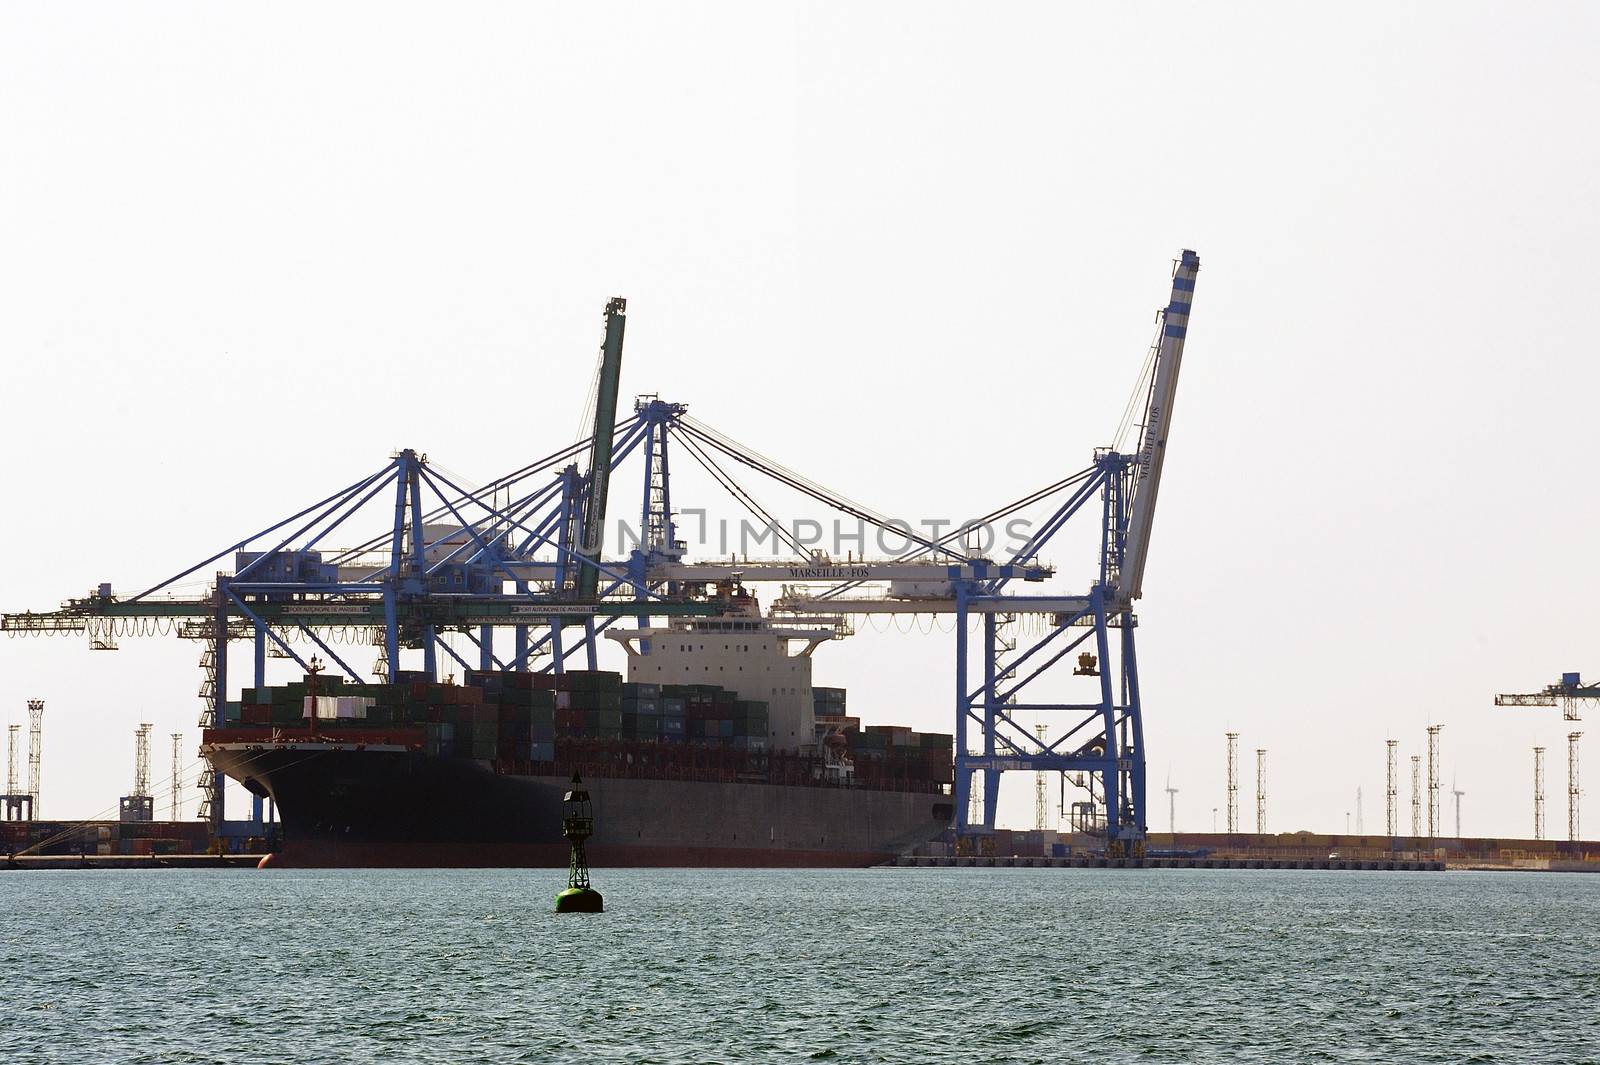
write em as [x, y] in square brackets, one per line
[521, 557]
[1102, 740]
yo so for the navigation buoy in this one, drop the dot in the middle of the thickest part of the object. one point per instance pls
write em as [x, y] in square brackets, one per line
[577, 824]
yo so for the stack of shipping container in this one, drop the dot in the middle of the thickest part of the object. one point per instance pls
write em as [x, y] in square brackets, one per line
[893, 755]
[829, 707]
[536, 720]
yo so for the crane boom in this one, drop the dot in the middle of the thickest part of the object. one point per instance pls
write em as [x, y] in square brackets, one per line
[605, 426]
[1568, 694]
[1157, 423]
[1534, 699]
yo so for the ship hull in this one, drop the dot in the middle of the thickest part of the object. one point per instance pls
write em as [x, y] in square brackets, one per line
[396, 807]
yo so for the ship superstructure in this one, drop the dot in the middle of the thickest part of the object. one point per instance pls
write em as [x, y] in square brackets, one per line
[743, 652]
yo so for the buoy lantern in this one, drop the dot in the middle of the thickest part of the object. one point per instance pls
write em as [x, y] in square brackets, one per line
[577, 824]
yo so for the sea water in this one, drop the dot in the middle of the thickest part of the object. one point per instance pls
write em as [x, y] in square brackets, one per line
[879, 965]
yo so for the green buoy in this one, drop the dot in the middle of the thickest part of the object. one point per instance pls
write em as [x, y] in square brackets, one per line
[577, 824]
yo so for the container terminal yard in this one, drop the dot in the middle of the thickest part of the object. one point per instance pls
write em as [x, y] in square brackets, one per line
[399, 763]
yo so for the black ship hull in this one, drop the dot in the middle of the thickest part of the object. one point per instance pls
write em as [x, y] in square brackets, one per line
[391, 805]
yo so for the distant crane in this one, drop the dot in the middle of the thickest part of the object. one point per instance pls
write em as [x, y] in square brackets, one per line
[1567, 694]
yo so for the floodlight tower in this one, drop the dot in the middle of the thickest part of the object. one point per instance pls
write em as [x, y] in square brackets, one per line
[177, 776]
[1233, 782]
[35, 747]
[1572, 785]
[1538, 793]
[1416, 796]
[1261, 790]
[12, 803]
[141, 764]
[139, 805]
[1433, 780]
[1041, 804]
[1393, 793]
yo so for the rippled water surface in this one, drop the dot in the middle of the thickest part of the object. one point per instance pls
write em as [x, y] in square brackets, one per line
[913, 965]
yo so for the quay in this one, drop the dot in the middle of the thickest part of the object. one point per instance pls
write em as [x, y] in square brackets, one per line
[1084, 861]
[129, 861]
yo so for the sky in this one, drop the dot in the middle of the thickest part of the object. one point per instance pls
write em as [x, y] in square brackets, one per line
[911, 251]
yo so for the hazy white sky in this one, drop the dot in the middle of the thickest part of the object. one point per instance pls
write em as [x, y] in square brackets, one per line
[911, 250]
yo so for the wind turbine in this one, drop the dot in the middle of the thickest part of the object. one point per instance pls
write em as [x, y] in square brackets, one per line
[1457, 792]
[1172, 805]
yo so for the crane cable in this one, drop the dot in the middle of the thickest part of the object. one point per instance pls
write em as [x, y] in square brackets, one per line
[777, 472]
[505, 480]
[994, 515]
[697, 453]
[1143, 385]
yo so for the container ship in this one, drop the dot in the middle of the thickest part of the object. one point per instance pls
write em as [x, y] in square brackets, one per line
[714, 751]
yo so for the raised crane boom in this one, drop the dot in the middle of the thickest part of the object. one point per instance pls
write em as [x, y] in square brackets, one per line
[1157, 423]
[605, 426]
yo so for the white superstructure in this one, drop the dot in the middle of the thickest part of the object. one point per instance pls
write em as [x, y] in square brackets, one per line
[742, 652]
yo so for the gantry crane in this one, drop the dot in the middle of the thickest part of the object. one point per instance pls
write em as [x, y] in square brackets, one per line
[1104, 737]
